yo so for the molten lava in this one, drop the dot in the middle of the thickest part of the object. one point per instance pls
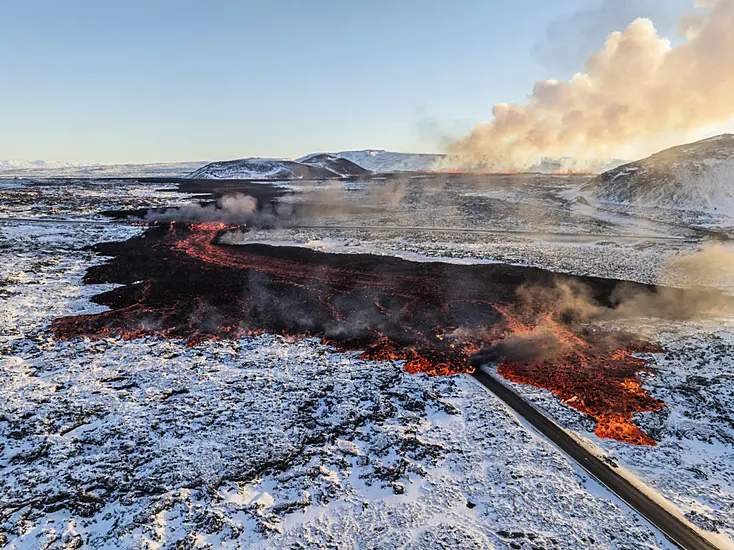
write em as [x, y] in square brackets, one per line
[437, 317]
[594, 374]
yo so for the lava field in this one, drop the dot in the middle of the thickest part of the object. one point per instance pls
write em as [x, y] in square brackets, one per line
[440, 318]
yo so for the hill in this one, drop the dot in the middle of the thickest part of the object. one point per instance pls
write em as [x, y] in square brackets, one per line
[697, 176]
[313, 167]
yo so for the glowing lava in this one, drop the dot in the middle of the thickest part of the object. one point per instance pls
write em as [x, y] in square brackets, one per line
[590, 373]
[437, 317]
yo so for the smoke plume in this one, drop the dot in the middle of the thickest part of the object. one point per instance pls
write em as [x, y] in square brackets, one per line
[710, 266]
[573, 304]
[234, 209]
[636, 95]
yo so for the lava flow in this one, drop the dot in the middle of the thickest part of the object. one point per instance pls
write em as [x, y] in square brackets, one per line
[440, 318]
[596, 374]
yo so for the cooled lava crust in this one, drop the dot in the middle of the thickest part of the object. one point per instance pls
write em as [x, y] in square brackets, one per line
[439, 318]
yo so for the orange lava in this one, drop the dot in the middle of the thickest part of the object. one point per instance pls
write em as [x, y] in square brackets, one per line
[595, 378]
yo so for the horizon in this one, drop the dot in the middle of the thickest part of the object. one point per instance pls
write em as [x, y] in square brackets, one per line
[72, 164]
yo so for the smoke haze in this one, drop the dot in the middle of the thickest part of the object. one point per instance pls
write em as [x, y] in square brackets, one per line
[712, 265]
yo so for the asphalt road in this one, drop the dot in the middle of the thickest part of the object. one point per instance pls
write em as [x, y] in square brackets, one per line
[677, 530]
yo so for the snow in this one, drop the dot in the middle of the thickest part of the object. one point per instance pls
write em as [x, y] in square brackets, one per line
[693, 464]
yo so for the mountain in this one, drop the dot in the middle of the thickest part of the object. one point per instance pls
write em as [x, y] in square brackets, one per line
[314, 167]
[378, 160]
[697, 176]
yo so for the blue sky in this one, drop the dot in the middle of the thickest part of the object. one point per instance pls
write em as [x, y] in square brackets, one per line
[170, 80]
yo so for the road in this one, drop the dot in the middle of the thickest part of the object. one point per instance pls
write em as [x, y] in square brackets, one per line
[677, 530]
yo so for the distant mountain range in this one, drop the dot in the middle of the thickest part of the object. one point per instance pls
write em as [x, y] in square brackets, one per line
[45, 168]
[313, 166]
[697, 176]
[372, 160]
[320, 165]
[36, 165]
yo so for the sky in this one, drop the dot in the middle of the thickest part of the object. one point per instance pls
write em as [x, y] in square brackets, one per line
[184, 80]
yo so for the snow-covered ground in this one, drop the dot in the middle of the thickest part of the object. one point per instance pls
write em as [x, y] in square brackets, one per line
[59, 198]
[264, 442]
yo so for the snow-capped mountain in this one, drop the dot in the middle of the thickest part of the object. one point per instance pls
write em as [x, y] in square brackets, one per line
[697, 176]
[313, 167]
[378, 160]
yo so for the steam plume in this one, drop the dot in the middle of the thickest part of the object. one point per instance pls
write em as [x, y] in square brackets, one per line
[229, 209]
[635, 95]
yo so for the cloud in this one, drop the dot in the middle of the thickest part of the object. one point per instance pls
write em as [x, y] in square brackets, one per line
[568, 40]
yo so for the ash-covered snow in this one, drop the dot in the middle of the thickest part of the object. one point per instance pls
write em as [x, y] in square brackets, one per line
[693, 465]
[259, 442]
[64, 199]
[524, 220]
